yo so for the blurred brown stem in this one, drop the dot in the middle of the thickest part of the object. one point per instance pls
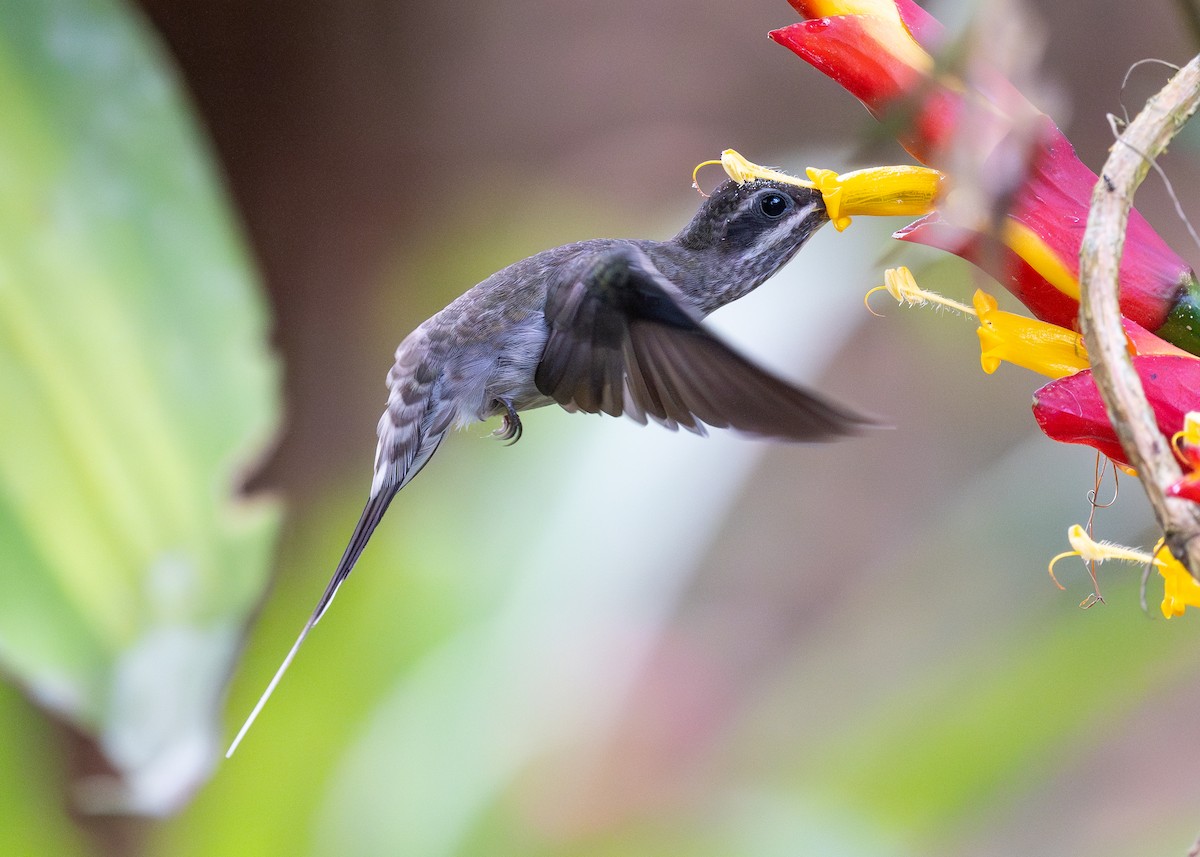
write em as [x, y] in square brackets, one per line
[1100, 318]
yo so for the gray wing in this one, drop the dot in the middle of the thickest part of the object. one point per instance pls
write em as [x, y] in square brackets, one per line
[620, 342]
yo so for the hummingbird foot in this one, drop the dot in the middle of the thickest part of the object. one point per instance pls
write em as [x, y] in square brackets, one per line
[510, 430]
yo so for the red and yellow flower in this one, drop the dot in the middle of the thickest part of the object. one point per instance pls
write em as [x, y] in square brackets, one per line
[879, 50]
[1026, 232]
[1186, 443]
[1180, 589]
[1071, 410]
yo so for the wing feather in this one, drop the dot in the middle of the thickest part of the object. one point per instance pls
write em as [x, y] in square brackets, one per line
[622, 341]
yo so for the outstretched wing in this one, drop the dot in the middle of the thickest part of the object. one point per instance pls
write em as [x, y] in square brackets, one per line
[622, 343]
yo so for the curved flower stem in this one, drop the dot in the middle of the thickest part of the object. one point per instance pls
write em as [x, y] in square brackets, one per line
[1100, 319]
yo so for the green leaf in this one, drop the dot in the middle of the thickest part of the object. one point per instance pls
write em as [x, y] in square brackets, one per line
[137, 387]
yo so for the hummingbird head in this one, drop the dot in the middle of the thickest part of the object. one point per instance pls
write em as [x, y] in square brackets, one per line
[745, 232]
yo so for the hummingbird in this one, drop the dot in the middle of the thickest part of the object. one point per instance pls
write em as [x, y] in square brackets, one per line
[609, 326]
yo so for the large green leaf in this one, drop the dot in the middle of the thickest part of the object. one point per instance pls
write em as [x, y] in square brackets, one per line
[136, 386]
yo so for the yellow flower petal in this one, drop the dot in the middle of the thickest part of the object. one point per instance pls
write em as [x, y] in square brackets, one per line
[1036, 345]
[1180, 589]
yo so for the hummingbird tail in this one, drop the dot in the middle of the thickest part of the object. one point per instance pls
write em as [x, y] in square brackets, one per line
[382, 492]
[372, 514]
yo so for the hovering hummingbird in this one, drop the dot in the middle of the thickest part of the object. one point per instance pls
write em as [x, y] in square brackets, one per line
[606, 326]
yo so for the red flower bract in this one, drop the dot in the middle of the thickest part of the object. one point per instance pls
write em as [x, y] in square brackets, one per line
[1070, 409]
[925, 28]
[1188, 488]
[1001, 262]
[877, 49]
[1053, 205]
[861, 53]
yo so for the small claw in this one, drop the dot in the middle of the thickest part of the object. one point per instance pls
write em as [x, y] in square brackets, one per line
[510, 430]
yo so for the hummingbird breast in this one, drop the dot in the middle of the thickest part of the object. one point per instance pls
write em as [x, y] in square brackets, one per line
[484, 349]
[506, 373]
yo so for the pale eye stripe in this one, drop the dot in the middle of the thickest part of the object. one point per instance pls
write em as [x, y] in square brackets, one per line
[767, 241]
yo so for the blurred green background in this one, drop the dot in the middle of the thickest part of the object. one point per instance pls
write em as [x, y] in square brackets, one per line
[218, 221]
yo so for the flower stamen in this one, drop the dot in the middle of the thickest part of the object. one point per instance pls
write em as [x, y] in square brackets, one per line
[696, 173]
[742, 170]
[902, 285]
[1092, 551]
[1186, 441]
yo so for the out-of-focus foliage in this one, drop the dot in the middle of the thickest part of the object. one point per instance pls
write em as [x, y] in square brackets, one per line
[137, 387]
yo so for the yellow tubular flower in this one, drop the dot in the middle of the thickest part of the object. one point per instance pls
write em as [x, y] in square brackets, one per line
[1036, 345]
[876, 191]
[1180, 589]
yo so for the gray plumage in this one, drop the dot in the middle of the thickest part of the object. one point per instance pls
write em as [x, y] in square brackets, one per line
[606, 326]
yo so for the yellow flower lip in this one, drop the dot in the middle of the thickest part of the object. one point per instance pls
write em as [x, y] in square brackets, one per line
[1036, 345]
[1186, 443]
[1180, 589]
[876, 191]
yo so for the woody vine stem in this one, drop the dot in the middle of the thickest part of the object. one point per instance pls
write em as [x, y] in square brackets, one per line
[1100, 317]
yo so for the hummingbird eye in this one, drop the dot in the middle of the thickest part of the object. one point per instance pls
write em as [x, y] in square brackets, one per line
[774, 205]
